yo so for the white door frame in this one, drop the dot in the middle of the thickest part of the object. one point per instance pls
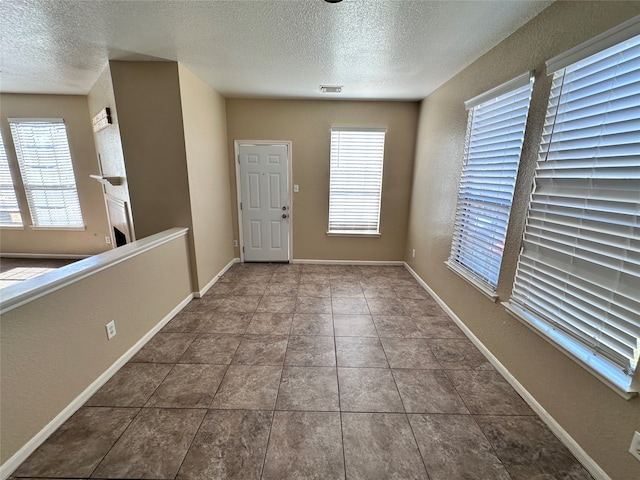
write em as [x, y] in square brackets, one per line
[236, 155]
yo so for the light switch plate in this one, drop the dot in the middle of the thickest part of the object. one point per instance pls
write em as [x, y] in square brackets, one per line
[111, 329]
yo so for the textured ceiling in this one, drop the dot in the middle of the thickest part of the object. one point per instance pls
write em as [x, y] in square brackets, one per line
[376, 49]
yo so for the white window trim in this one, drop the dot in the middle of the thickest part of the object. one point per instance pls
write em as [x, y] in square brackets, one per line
[72, 227]
[607, 371]
[519, 81]
[598, 366]
[345, 233]
[614, 36]
[475, 278]
[357, 233]
[11, 184]
[81, 228]
[35, 120]
[486, 290]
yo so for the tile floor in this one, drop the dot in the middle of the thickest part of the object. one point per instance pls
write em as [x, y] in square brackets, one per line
[307, 372]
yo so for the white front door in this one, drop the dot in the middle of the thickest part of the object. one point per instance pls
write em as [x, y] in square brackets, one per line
[264, 197]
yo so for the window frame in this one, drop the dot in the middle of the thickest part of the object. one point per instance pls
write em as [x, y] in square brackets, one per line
[10, 187]
[596, 355]
[38, 186]
[375, 182]
[470, 256]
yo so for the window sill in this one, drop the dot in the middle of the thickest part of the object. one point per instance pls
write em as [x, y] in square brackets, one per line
[12, 227]
[353, 234]
[477, 284]
[599, 367]
[72, 229]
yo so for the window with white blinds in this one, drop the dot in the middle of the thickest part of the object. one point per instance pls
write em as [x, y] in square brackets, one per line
[43, 154]
[495, 132]
[355, 187]
[9, 210]
[578, 275]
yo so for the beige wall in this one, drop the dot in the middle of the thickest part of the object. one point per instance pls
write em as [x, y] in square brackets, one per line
[205, 133]
[307, 124]
[147, 98]
[54, 347]
[74, 110]
[173, 135]
[599, 419]
[149, 109]
[108, 142]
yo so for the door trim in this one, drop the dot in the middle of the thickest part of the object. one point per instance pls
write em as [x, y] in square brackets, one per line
[236, 162]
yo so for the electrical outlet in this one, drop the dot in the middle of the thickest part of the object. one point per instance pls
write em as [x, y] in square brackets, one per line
[635, 445]
[111, 329]
[235, 243]
[413, 253]
[107, 239]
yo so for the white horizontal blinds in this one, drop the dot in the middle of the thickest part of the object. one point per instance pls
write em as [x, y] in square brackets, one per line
[355, 186]
[579, 269]
[9, 210]
[495, 132]
[43, 154]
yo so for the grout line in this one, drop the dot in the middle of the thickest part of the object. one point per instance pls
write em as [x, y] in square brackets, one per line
[335, 354]
[418, 446]
[493, 448]
[114, 443]
[273, 417]
[406, 416]
[266, 447]
[192, 441]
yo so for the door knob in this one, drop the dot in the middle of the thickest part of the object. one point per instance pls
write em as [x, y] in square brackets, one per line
[284, 215]
[284, 208]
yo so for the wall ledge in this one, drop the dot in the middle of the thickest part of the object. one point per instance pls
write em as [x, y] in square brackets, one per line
[24, 292]
[587, 462]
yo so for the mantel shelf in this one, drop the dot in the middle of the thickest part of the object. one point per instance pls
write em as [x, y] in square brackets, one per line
[106, 179]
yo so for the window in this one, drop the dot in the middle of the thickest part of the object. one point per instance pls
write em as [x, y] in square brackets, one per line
[578, 274]
[355, 187]
[43, 154]
[495, 132]
[9, 210]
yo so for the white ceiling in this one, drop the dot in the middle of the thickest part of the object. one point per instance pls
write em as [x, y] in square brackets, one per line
[376, 49]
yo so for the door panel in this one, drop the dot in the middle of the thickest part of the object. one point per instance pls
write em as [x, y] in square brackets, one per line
[264, 184]
[255, 235]
[253, 181]
[276, 235]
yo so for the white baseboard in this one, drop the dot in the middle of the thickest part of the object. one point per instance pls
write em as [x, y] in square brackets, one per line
[45, 256]
[21, 455]
[594, 469]
[213, 281]
[348, 262]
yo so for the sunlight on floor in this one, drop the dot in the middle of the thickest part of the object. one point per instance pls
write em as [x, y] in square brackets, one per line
[20, 274]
